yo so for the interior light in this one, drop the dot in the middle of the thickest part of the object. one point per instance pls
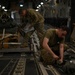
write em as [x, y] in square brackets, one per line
[41, 3]
[21, 5]
[3, 7]
[37, 10]
[37, 7]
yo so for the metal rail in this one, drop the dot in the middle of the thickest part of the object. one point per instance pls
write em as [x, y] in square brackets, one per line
[43, 69]
[20, 68]
[9, 67]
[53, 70]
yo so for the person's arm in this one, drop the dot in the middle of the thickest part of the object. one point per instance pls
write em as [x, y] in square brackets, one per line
[61, 53]
[36, 17]
[32, 16]
[46, 47]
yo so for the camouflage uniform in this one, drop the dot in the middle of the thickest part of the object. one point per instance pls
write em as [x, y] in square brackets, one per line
[53, 43]
[36, 20]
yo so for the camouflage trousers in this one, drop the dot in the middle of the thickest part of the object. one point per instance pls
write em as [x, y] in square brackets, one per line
[25, 38]
[47, 58]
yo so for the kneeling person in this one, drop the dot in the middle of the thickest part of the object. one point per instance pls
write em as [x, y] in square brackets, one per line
[53, 45]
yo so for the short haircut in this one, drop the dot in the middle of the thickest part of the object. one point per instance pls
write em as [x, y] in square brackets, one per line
[65, 28]
[21, 10]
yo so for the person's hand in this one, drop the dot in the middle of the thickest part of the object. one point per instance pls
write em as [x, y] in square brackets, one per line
[55, 57]
[61, 61]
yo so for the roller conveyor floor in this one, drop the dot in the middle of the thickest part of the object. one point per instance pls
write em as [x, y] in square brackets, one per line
[17, 64]
[25, 63]
[22, 64]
